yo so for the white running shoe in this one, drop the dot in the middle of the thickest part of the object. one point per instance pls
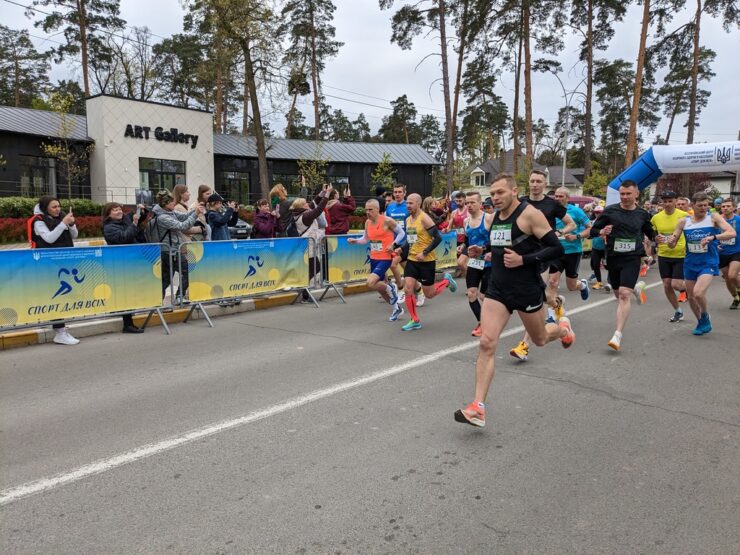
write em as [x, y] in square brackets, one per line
[639, 292]
[616, 341]
[420, 298]
[392, 293]
[397, 313]
[63, 337]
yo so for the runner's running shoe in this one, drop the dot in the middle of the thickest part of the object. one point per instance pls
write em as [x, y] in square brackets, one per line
[704, 325]
[639, 292]
[735, 302]
[397, 313]
[521, 351]
[477, 331]
[584, 292]
[607, 288]
[570, 337]
[559, 307]
[616, 341]
[420, 298]
[411, 325]
[677, 316]
[597, 285]
[592, 278]
[474, 414]
[452, 284]
[643, 270]
[682, 297]
[401, 297]
[392, 293]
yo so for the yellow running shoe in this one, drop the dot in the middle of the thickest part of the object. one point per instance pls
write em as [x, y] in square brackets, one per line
[521, 351]
[559, 307]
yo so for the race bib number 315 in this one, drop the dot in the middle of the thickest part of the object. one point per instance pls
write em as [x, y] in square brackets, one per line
[501, 235]
[624, 245]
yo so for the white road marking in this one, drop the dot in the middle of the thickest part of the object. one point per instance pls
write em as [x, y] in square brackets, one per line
[37, 486]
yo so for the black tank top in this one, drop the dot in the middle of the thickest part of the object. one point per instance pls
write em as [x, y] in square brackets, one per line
[505, 234]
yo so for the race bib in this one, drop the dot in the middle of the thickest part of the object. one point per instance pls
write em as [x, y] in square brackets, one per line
[460, 231]
[501, 235]
[376, 246]
[477, 263]
[411, 237]
[694, 247]
[624, 245]
[728, 242]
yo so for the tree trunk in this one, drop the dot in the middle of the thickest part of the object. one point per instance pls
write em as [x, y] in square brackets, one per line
[517, 88]
[257, 118]
[315, 79]
[672, 120]
[450, 161]
[587, 144]
[529, 157]
[245, 106]
[219, 97]
[460, 58]
[82, 22]
[631, 153]
[694, 77]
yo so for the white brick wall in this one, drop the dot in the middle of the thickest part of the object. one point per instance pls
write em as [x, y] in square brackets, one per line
[114, 167]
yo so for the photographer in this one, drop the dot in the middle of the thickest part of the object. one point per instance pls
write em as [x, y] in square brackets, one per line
[123, 229]
[220, 219]
[266, 223]
[306, 223]
[339, 211]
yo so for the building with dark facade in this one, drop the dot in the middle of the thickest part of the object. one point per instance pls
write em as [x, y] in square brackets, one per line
[148, 146]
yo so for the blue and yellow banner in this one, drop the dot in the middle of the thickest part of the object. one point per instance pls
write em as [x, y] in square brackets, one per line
[41, 285]
[226, 269]
[348, 262]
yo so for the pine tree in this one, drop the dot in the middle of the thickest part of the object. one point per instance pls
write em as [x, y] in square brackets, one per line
[23, 70]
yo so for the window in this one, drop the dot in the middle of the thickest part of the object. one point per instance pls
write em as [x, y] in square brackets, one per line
[38, 176]
[291, 182]
[236, 186]
[155, 174]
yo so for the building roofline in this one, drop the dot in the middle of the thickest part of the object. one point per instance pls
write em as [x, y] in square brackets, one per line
[147, 102]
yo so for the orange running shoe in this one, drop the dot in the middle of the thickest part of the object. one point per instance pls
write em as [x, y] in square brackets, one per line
[474, 414]
[643, 270]
[570, 337]
[477, 332]
[682, 298]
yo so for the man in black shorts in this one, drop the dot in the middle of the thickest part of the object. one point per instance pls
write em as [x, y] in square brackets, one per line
[670, 260]
[521, 242]
[624, 227]
[476, 248]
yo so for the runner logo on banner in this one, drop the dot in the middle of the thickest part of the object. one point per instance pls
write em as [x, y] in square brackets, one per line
[447, 251]
[42, 285]
[224, 269]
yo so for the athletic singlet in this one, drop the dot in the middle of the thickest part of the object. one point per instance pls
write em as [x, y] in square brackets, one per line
[398, 212]
[732, 245]
[418, 238]
[380, 239]
[478, 237]
[665, 224]
[698, 256]
[505, 234]
[458, 221]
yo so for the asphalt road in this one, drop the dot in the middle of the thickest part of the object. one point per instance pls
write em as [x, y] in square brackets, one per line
[330, 431]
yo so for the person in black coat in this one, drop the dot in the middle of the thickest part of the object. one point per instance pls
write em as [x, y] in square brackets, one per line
[122, 229]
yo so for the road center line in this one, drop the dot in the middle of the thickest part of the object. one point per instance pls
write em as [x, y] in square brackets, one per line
[10, 495]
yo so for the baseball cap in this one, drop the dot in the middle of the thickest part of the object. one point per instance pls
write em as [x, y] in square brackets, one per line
[215, 197]
[488, 202]
[668, 194]
[718, 200]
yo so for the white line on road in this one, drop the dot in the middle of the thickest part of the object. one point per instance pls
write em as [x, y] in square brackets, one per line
[37, 486]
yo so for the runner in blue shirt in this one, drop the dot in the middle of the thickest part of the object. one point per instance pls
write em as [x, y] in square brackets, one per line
[729, 253]
[399, 212]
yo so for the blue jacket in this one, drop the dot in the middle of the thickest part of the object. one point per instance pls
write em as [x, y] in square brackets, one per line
[220, 222]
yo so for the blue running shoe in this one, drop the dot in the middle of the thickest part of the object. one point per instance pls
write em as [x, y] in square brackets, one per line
[397, 313]
[705, 324]
[411, 326]
[584, 292]
[393, 293]
[699, 329]
[452, 285]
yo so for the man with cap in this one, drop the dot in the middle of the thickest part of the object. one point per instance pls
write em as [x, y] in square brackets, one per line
[670, 260]
[219, 219]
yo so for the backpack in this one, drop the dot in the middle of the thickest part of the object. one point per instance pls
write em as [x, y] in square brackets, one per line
[292, 229]
[29, 229]
[151, 230]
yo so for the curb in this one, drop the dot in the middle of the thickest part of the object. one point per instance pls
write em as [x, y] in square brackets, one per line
[39, 336]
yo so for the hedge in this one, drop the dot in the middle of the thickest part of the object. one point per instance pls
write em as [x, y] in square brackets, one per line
[13, 230]
[22, 207]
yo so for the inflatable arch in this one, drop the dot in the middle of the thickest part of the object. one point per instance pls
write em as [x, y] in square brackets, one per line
[660, 159]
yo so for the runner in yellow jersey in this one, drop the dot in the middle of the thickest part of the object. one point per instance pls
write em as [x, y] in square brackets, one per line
[670, 260]
[423, 237]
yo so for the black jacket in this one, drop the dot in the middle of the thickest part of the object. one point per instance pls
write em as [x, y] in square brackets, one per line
[122, 232]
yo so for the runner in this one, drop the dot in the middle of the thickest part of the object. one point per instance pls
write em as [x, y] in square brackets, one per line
[702, 232]
[521, 241]
[624, 227]
[729, 253]
[476, 247]
[398, 211]
[457, 221]
[598, 254]
[423, 237]
[384, 236]
[572, 246]
[552, 211]
[670, 261]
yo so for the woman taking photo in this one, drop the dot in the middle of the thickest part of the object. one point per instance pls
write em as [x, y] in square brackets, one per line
[122, 229]
[53, 229]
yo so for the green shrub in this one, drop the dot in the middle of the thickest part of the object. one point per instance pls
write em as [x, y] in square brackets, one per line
[22, 207]
[359, 211]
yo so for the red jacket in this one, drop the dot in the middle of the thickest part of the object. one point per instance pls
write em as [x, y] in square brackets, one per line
[338, 216]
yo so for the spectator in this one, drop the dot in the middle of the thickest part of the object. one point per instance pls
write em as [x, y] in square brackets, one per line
[220, 219]
[123, 229]
[182, 197]
[380, 192]
[306, 221]
[266, 223]
[204, 234]
[167, 222]
[53, 229]
[279, 196]
[439, 215]
[339, 211]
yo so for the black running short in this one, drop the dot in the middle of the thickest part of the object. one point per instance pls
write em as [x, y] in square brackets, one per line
[623, 271]
[405, 252]
[670, 268]
[423, 272]
[725, 259]
[529, 300]
[477, 278]
[567, 262]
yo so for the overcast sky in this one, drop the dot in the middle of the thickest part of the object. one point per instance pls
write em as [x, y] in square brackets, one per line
[370, 65]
